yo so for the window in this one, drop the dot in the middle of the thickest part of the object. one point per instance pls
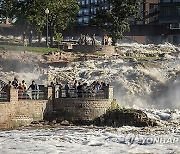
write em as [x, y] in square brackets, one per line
[165, 1]
[171, 11]
[80, 20]
[80, 12]
[166, 11]
[82, 2]
[86, 11]
[86, 20]
[87, 2]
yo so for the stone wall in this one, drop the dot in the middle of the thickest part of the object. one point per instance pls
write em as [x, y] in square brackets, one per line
[7, 112]
[82, 109]
[104, 49]
[17, 113]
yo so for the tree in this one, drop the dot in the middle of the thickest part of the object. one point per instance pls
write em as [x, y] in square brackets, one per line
[8, 8]
[61, 13]
[32, 13]
[116, 20]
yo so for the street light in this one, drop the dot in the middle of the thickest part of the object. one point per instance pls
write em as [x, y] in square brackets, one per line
[47, 12]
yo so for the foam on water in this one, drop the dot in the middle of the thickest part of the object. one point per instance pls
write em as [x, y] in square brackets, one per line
[152, 86]
[144, 83]
[90, 140]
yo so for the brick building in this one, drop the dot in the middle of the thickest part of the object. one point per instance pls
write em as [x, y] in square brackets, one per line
[154, 12]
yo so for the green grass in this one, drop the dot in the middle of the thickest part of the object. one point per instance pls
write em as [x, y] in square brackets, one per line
[30, 49]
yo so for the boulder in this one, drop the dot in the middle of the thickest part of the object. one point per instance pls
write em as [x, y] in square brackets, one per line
[65, 123]
[122, 117]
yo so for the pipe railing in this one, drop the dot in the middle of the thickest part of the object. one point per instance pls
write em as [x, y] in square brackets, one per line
[3, 96]
[31, 94]
[72, 93]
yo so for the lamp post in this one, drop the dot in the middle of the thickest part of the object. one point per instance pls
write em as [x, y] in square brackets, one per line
[47, 12]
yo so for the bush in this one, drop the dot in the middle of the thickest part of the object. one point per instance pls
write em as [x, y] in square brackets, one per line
[114, 106]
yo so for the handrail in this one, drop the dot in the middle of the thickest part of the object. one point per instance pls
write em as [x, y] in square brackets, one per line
[73, 93]
[31, 94]
[3, 96]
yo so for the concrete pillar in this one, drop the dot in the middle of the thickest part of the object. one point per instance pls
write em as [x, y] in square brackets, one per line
[56, 91]
[13, 95]
[48, 92]
[110, 93]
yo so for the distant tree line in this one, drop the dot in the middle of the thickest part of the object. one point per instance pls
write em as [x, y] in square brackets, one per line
[31, 13]
[62, 13]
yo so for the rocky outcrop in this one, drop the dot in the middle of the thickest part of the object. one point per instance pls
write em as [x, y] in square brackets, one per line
[124, 117]
[112, 118]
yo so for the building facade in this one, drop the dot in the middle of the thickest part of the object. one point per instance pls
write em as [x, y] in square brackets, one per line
[166, 12]
[153, 12]
[88, 9]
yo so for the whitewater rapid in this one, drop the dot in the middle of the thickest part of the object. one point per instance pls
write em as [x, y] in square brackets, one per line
[144, 83]
[81, 140]
[149, 84]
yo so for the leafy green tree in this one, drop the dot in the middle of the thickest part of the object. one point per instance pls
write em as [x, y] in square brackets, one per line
[8, 8]
[61, 13]
[116, 20]
[59, 38]
[32, 13]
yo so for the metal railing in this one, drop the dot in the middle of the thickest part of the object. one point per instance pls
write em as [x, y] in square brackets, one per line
[72, 93]
[3, 96]
[31, 94]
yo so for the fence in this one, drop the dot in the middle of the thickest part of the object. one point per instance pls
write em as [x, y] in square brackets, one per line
[72, 93]
[3, 97]
[31, 94]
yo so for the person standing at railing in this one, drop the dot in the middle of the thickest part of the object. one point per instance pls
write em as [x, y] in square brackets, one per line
[75, 88]
[34, 89]
[60, 90]
[15, 83]
[84, 90]
[7, 88]
[67, 89]
[24, 85]
[20, 91]
[97, 87]
[79, 89]
[104, 89]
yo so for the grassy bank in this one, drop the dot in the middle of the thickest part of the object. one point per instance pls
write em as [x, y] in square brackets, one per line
[30, 49]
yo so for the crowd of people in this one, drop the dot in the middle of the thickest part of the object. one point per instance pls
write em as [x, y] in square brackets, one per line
[78, 89]
[87, 40]
[75, 90]
[22, 87]
[91, 40]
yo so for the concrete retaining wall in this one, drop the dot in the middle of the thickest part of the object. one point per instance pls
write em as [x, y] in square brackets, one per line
[106, 49]
[82, 109]
[17, 113]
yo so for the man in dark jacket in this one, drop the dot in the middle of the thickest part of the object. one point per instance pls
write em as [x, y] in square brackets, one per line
[33, 88]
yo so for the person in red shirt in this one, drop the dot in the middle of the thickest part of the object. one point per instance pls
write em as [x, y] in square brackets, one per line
[20, 91]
